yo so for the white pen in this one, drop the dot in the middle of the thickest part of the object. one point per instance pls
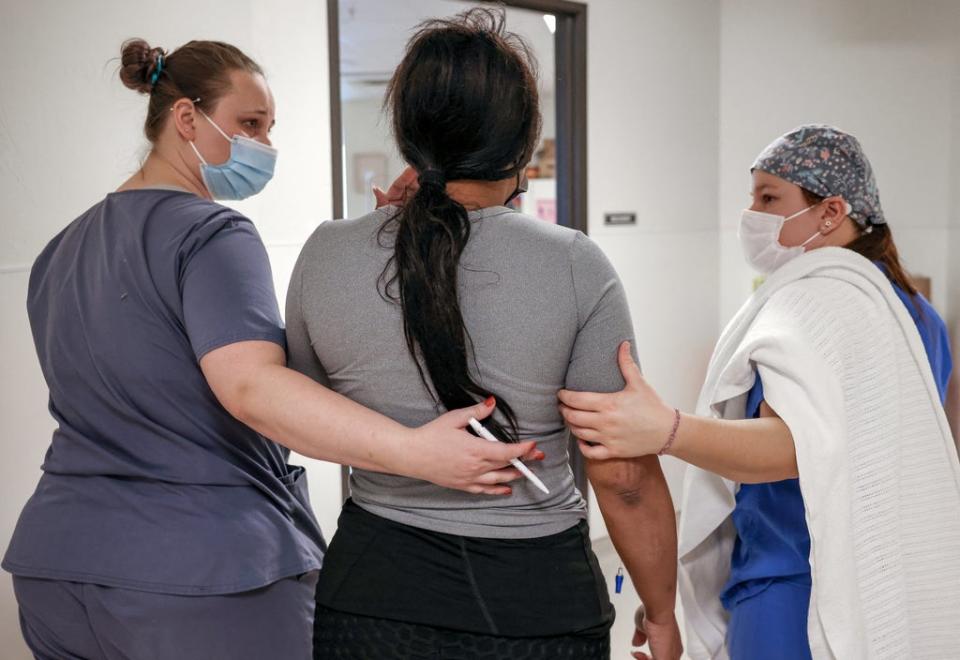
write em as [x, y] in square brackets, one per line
[486, 435]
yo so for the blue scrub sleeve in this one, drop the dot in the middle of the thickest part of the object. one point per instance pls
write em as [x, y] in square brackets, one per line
[942, 359]
[227, 291]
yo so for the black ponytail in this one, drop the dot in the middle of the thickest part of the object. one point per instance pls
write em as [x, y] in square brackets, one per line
[464, 106]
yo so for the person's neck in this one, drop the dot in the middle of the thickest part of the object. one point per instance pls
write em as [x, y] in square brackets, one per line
[166, 167]
[474, 195]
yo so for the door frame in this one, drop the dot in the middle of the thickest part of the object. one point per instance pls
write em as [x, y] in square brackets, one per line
[570, 89]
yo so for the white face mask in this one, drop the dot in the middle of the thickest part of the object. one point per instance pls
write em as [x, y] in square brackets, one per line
[759, 235]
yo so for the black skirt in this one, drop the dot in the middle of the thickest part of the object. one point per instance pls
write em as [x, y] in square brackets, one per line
[543, 587]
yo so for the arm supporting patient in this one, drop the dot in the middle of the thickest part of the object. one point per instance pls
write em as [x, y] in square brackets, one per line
[743, 450]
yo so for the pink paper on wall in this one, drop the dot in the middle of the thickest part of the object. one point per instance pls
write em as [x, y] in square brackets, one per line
[547, 210]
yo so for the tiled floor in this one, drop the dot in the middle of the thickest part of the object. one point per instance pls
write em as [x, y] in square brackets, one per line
[625, 602]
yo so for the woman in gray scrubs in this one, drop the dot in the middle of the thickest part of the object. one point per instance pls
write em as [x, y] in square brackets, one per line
[165, 524]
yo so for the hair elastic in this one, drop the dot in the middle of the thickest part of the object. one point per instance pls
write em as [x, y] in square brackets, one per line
[433, 177]
[157, 71]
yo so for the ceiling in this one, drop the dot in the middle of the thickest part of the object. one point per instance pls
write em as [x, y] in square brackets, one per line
[373, 34]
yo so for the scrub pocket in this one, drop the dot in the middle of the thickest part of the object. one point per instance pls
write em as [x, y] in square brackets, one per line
[296, 482]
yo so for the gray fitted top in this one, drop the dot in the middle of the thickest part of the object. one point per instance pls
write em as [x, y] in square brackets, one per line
[545, 310]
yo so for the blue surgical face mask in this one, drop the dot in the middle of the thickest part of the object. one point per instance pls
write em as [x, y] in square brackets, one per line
[247, 171]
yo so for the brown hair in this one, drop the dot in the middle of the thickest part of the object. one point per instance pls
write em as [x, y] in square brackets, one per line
[196, 70]
[876, 244]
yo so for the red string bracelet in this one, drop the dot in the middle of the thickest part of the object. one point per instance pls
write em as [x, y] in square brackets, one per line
[673, 432]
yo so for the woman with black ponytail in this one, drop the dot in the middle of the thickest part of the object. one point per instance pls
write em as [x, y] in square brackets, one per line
[447, 300]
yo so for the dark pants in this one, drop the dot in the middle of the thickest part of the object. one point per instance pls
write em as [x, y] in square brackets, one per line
[341, 636]
[72, 620]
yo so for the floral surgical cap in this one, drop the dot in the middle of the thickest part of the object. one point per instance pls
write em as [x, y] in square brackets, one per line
[826, 161]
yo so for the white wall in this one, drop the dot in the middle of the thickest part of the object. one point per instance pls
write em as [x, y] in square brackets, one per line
[882, 70]
[653, 148]
[70, 132]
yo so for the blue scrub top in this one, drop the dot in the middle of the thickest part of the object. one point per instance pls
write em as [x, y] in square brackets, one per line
[149, 483]
[773, 542]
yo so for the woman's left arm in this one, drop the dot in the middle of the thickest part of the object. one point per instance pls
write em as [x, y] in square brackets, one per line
[636, 422]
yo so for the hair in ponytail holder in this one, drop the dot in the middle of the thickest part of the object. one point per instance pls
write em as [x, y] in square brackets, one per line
[432, 177]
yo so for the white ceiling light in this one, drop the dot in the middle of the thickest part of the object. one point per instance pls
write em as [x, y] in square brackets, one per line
[551, 22]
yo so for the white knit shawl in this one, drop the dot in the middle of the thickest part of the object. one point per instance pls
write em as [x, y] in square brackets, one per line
[843, 364]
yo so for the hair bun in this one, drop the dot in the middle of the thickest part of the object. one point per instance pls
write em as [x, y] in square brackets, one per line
[138, 61]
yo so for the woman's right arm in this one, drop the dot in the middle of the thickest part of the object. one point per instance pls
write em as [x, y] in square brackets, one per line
[636, 422]
[251, 380]
[638, 512]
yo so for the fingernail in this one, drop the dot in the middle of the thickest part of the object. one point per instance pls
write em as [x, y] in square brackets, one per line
[489, 401]
[540, 456]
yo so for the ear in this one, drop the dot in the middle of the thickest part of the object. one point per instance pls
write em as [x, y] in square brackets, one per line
[184, 117]
[835, 212]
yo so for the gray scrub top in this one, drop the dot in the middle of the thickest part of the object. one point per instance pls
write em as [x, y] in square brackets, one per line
[149, 483]
[544, 309]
